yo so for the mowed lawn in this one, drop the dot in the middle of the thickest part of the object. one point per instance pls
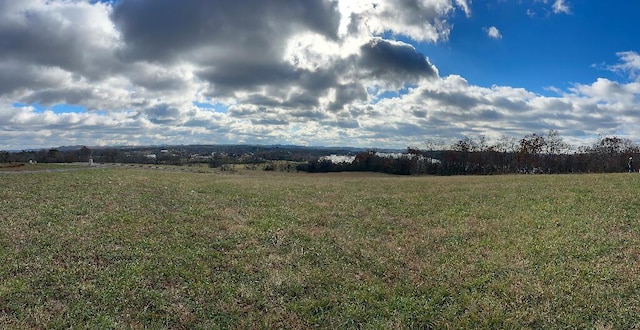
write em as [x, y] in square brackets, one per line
[143, 248]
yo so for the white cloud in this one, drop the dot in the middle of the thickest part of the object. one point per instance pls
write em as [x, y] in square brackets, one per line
[493, 32]
[559, 6]
[630, 64]
[421, 20]
[464, 6]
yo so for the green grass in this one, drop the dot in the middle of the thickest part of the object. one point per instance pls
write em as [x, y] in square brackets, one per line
[135, 248]
[20, 167]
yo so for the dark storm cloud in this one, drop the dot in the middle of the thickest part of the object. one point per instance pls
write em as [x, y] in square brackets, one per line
[40, 41]
[16, 75]
[355, 22]
[58, 36]
[163, 113]
[559, 105]
[306, 114]
[420, 113]
[155, 81]
[275, 82]
[515, 105]
[73, 35]
[37, 37]
[236, 47]
[233, 75]
[242, 110]
[270, 121]
[454, 98]
[395, 61]
[343, 123]
[162, 29]
[302, 99]
[347, 93]
[55, 96]
[489, 115]
[262, 100]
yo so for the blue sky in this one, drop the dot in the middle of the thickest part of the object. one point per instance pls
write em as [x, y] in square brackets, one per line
[383, 73]
[538, 48]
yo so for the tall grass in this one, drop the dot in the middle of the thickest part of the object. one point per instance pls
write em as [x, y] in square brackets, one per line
[131, 248]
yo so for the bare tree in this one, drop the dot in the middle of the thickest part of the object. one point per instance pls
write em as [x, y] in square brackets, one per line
[554, 144]
[507, 144]
[466, 144]
[530, 148]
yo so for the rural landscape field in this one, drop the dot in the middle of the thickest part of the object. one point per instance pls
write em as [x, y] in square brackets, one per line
[132, 247]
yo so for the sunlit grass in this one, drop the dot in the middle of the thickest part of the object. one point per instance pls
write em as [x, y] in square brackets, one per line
[140, 248]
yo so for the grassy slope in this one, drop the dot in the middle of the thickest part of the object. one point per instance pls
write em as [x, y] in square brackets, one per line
[134, 248]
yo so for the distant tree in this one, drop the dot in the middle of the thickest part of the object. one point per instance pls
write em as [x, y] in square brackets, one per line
[368, 161]
[53, 156]
[610, 153]
[554, 144]
[532, 144]
[506, 144]
[435, 144]
[610, 145]
[555, 147]
[506, 147]
[111, 155]
[216, 160]
[530, 148]
[459, 158]
[466, 144]
[320, 166]
[84, 154]
[482, 144]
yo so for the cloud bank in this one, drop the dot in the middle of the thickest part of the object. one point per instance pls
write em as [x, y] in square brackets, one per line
[314, 72]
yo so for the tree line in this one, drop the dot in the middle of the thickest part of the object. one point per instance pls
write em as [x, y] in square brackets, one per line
[534, 153]
[214, 155]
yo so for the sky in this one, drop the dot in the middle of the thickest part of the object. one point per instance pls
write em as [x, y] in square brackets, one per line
[357, 73]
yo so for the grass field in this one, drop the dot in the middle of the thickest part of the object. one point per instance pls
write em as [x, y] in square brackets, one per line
[138, 248]
[19, 167]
